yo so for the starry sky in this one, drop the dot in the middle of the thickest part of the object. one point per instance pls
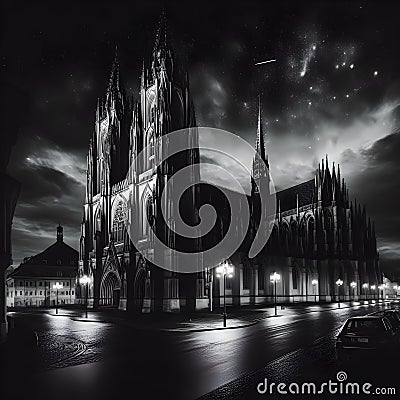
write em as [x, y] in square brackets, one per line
[334, 89]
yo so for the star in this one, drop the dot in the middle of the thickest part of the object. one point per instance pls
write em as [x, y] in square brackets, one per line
[351, 66]
[347, 95]
[375, 73]
[337, 66]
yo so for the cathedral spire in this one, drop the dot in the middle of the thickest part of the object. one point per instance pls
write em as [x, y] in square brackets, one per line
[143, 77]
[113, 83]
[162, 61]
[115, 97]
[260, 144]
[161, 35]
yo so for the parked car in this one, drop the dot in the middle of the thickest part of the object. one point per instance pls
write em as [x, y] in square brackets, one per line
[392, 315]
[370, 334]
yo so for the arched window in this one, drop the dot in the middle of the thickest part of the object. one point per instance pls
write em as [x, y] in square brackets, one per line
[246, 277]
[329, 229]
[147, 215]
[284, 238]
[310, 235]
[151, 147]
[261, 278]
[302, 237]
[295, 277]
[117, 233]
[293, 237]
[97, 220]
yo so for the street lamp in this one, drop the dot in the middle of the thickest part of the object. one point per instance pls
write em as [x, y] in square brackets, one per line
[85, 280]
[373, 287]
[353, 285]
[57, 286]
[381, 287]
[224, 270]
[275, 277]
[314, 283]
[339, 283]
[365, 287]
[395, 288]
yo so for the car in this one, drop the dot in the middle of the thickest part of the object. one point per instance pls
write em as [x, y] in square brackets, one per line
[369, 334]
[392, 315]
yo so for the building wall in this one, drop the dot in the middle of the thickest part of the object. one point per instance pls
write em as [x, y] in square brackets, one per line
[39, 292]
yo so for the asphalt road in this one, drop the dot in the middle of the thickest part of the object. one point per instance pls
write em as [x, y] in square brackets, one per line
[93, 360]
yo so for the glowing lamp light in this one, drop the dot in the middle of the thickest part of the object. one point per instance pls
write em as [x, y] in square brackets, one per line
[373, 287]
[353, 284]
[339, 282]
[275, 277]
[84, 280]
[314, 282]
[224, 269]
[365, 285]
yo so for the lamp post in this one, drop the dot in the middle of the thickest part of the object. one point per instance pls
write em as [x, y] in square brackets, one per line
[224, 270]
[365, 287]
[339, 283]
[395, 288]
[353, 285]
[373, 287]
[85, 280]
[381, 287]
[274, 278]
[314, 283]
[57, 286]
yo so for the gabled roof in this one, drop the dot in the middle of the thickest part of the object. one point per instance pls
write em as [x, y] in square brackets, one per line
[58, 260]
[59, 253]
[288, 197]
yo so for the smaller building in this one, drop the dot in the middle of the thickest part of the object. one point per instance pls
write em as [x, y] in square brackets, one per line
[31, 284]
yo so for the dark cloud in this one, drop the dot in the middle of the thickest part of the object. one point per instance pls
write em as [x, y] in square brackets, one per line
[378, 187]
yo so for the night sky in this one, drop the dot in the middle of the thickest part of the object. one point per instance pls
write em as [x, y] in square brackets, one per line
[334, 89]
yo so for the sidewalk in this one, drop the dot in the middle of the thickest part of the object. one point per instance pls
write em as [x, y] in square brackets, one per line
[199, 321]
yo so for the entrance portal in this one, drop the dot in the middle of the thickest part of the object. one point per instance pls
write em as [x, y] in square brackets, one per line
[110, 290]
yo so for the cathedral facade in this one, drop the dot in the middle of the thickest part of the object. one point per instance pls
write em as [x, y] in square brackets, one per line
[319, 236]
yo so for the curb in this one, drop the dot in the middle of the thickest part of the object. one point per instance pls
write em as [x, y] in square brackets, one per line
[205, 329]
